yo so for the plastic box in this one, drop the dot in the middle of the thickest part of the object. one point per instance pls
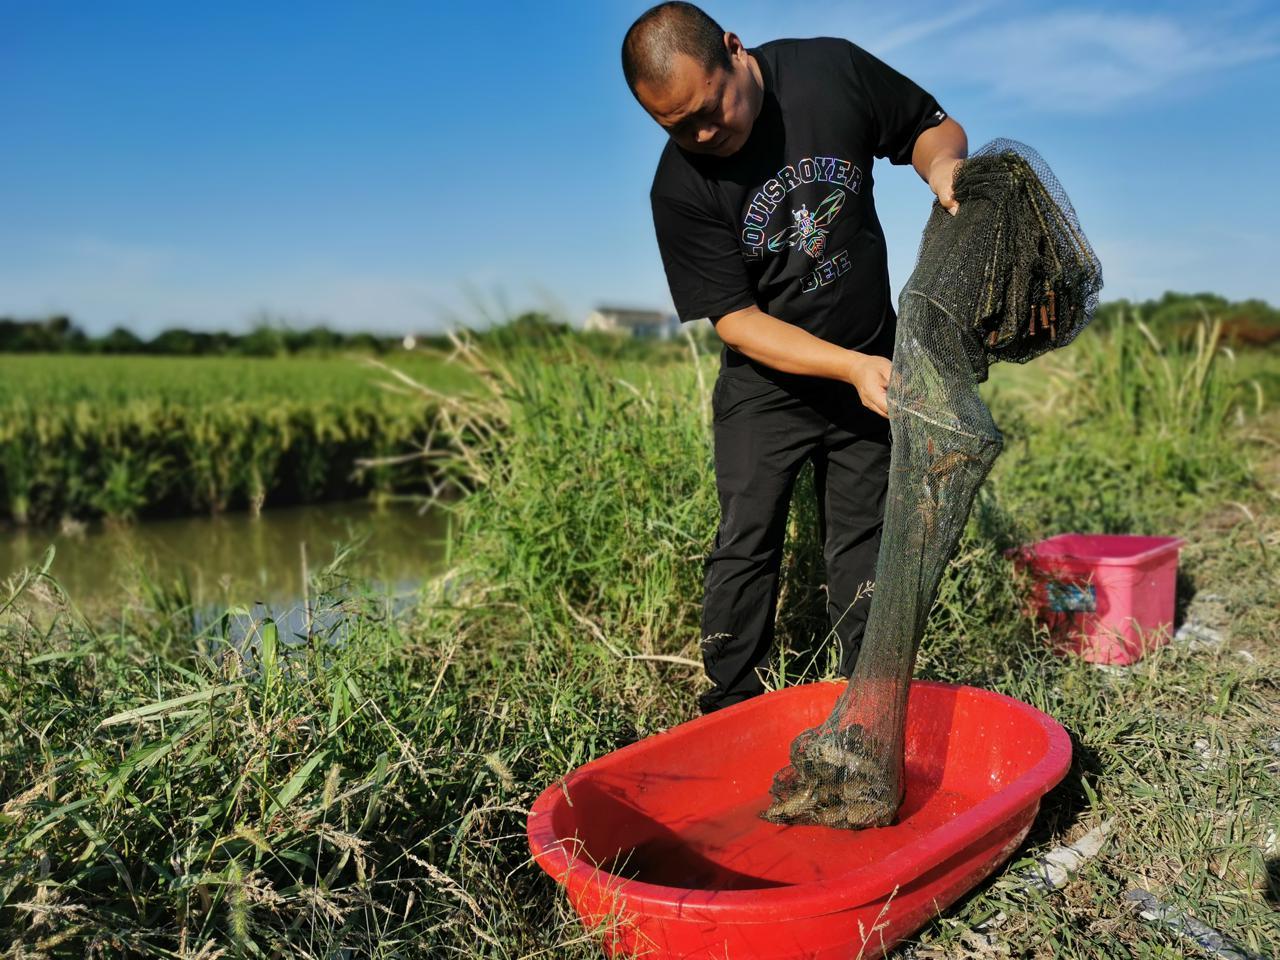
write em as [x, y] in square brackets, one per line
[662, 852]
[1107, 597]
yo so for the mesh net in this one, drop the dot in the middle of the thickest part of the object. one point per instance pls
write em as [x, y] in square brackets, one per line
[1008, 277]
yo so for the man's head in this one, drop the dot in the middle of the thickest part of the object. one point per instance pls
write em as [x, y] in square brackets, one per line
[695, 79]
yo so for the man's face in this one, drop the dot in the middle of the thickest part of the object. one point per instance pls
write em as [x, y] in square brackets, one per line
[707, 111]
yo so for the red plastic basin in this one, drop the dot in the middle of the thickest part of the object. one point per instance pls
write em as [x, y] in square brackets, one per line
[660, 848]
[1107, 597]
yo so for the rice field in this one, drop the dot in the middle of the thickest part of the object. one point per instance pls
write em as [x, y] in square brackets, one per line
[43, 379]
[166, 793]
[123, 437]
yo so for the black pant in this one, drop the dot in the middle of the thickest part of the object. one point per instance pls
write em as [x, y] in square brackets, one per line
[765, 430]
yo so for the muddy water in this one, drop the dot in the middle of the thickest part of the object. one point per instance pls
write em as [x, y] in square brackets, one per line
[236, 559]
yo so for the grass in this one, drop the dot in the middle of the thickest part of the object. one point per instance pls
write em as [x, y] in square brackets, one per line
[1125, 432]
[168, 793]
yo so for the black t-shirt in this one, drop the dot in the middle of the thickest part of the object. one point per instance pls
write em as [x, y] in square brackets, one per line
[788, 222]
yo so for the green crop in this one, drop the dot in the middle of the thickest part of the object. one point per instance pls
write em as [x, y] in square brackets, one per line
[127, 436]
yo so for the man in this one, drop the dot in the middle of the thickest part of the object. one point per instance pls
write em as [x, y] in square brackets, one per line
[762, 203]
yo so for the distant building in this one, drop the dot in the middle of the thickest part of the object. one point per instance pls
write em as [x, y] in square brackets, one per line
[628, 321]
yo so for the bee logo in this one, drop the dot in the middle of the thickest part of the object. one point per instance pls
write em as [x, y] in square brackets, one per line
[807, 232]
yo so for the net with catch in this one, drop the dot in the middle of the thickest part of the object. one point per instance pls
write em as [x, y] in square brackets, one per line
[1008, 277]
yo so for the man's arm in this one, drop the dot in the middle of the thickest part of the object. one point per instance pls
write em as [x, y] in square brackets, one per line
[936, 154]
[790, 349]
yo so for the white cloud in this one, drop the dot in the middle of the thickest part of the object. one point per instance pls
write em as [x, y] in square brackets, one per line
[893, 36]
[1088, 60]
[1082, 59]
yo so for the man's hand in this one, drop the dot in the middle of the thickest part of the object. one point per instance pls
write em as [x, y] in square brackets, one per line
[870, 375]
[941, 181]
[937, 153]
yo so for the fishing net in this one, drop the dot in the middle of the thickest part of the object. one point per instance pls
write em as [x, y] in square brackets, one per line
[1008, 277]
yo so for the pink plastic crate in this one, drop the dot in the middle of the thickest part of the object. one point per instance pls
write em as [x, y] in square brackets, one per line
[1107, 597]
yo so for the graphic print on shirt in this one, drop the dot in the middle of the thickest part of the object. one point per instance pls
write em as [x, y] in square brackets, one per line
[807, 233]
[809, 230]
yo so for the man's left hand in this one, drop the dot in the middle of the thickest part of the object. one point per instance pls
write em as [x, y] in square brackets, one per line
[941, 176]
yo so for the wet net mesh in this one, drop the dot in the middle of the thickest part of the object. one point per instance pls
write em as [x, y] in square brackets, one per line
[1010, 276]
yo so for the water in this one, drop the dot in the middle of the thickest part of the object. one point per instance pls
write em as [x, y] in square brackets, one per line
[236, 559]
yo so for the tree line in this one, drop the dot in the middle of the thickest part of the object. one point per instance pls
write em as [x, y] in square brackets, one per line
[59, 334]
[1246, 323]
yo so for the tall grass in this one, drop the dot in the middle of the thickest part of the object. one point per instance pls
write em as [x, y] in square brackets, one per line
[1124, 431]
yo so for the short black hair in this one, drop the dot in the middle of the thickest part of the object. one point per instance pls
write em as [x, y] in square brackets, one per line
[665, 30]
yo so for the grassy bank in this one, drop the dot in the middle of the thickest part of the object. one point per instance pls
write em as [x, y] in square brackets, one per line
[164, 794]
[128, 436]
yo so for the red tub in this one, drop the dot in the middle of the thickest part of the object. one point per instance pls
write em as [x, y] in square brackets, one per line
[660, 847]
[1107, 597]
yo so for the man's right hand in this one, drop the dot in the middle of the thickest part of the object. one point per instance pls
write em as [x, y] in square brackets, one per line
[870, 375]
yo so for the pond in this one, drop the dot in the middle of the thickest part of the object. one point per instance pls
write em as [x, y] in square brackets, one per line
[237, 559]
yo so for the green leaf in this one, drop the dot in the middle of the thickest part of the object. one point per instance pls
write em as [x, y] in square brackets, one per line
[298, 780]
[268, 651]
[152, 709]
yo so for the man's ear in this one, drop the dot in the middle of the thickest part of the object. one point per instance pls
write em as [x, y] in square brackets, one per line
[733, 45]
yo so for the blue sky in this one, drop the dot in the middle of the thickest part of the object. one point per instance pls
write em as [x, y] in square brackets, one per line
[394, 165]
